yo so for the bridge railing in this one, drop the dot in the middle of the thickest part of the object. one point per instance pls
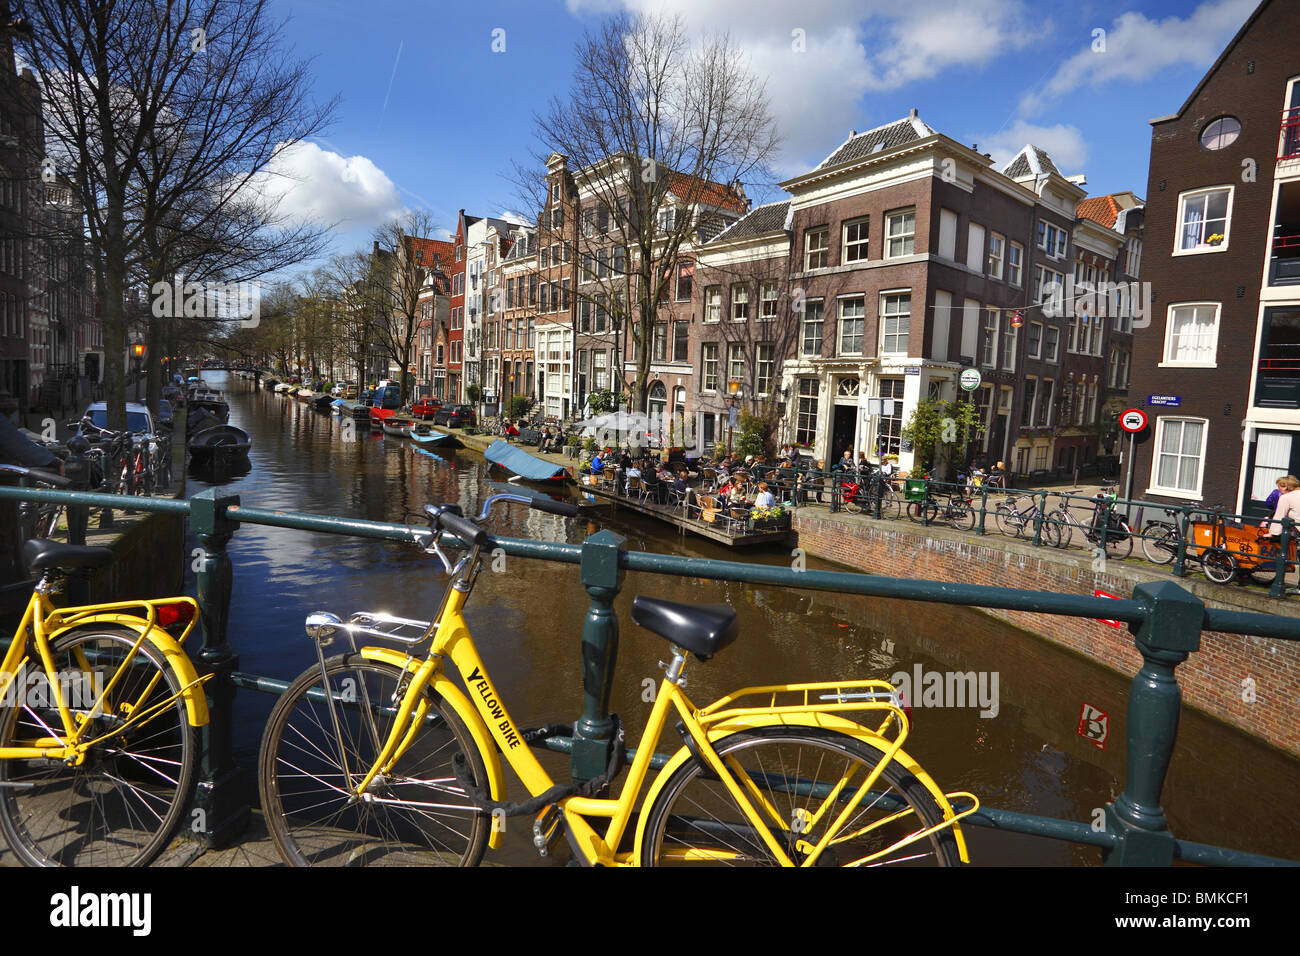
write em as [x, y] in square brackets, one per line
[1165, 620]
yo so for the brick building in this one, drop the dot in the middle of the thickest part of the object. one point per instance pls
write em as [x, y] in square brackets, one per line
[1219, 369]
[515, 324]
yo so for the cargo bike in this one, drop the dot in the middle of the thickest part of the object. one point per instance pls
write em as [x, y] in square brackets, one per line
[1226, 550]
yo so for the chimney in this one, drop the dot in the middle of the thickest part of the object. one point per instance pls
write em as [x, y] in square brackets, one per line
[911, 114]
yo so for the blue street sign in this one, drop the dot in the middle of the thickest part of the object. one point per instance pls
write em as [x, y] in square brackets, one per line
[1164, 400]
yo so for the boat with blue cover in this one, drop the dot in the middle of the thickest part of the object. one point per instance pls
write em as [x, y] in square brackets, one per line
[523, 464]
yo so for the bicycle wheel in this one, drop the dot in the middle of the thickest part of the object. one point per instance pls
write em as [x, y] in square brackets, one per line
[1218, 565]
[1160, 544]
[920, 511]
[852, 504]
[121, 805]
[1119, 542]
[416, 815]
[1009, 520]
[891, 506]
[793, 772]
[962, 516]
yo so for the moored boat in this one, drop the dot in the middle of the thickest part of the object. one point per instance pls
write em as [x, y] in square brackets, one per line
[523, 464]
[224, 442]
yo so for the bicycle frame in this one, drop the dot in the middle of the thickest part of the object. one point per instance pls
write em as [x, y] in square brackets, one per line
[489, 721]
[46, 623]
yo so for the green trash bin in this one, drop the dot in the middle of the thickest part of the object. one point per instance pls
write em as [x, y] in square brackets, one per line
[914, 489]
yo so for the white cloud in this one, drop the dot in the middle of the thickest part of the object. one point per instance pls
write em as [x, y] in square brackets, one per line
[318, 185]
[517, 218]
[1136, 48]
[1065, 144]
[880, 47]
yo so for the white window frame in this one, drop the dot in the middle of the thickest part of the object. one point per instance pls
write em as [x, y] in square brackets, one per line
[839, 323]
[822, 250]
[890, 236]
[1037, 354]
[886, 293]
[994, 265]
[740, 298]
[1168, 362]
[713, 303]
[1156, 489]
[856, 245]
[764, 300]
[1019, 266]
[1227, 221]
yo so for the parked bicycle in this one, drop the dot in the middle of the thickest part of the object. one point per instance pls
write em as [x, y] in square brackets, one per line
[1018, 515]
[100, 707]
[377, 756]
[952, 507]
[1118, 535]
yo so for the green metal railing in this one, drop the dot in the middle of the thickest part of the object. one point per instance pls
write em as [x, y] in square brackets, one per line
[1165, 619]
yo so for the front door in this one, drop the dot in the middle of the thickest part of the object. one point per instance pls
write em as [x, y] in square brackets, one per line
[1273, 454]
[842, 432]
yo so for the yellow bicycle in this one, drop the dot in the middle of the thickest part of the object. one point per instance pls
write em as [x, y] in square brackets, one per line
[98, 710]
[378, 757]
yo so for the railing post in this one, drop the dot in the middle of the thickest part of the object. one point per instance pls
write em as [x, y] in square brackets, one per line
[984, 505]
[77, 470]
[1038, 519]
[1284, 549]
[1180, 556]
[1171, 631]
[220, 812]
[602, 576]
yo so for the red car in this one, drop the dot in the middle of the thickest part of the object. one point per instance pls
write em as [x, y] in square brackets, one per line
[425, 408]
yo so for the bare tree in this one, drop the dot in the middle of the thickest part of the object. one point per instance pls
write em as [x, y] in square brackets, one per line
[660, 133]
[151, 103]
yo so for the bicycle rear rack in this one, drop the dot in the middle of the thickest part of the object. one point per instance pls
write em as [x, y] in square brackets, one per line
[403, 630]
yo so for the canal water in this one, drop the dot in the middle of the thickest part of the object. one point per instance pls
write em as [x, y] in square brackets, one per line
[1017, 752]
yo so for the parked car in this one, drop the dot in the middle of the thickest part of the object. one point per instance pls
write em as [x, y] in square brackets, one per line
[454, 416]
[165, 413]
[426, 408]
[138, 419]
[386, 396]
[173, 394]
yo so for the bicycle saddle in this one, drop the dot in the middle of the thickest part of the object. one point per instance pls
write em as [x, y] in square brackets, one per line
[42, 555]
[702, 629]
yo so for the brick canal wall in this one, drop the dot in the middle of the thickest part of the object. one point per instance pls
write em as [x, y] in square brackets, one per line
[1251, 683]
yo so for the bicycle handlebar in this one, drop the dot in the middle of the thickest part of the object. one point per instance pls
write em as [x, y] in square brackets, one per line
[49, 477]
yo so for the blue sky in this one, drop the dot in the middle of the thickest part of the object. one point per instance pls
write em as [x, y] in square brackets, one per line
[431, 117]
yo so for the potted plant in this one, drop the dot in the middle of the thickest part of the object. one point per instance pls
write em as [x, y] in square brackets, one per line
[1215, 239]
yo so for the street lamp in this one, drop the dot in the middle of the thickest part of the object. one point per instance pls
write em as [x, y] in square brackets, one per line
[733, 397]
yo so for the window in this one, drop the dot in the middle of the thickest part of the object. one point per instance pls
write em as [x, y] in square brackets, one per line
[852, 318]
[895, 317]
[588, 268]
[1015, 258]
[600, 312]
[557, 218]
[660, 344]
[681, 341]
[546, 298]
[602, 263]
[1048, 386]
[1009, 340]
[588, 223]
[584, 315]
[1051, 239]
[1191, 334]
[989, 340]
[768, 295]
[889, 433]
[620, 261]
[900, 233]
[713, 303]
[948, 235]
[805, 429]
[813, 314]
[1179, 461]
[1221, 133]
[855, 240]
[685, 277]
[1031, 393]
[997, 253]
[564, 295]
[709, 363]
[765, 368]
[1203, 221]
[1034, 341]
[736, 362]
[545, 257]
[667, 219]
[739, 302]
[1051, 343]
[816, 243]
[532, 290]
[566, 249]
[1049, 285]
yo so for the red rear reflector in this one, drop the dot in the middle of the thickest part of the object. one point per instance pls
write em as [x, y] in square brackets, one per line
[169, 614]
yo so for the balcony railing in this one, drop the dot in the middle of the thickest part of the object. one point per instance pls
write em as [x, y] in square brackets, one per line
[1284, 267]
[1290, 148]
[1278, 383]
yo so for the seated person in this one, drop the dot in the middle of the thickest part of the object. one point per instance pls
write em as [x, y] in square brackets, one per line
[679, 483]
[512, 430]
[764, 499]
[597, 463]
[632, 471]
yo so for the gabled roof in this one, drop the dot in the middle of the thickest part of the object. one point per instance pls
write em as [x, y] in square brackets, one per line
[522, 247]
[878, 140]
[1245, 28]
[1030, 161]
[1102, 209]
[770, 217]
[433, 250]
[708, 193]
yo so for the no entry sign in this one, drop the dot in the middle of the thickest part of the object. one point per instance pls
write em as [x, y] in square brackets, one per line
[1133, 420]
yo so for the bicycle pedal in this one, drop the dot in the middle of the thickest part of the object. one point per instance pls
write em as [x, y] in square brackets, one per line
[547, 829]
